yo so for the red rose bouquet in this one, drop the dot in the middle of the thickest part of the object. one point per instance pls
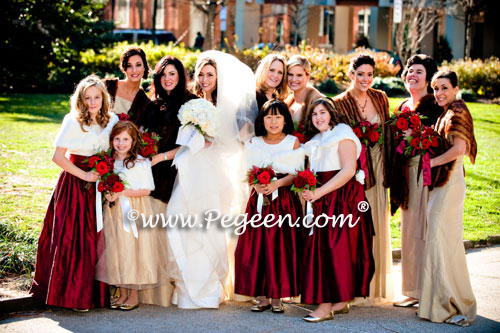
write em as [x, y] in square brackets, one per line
[262, 176]
[419, 142]
[109, 181]
[404, 120]
[369, 134]
[149, 142]
[123, 117]
[304, 180]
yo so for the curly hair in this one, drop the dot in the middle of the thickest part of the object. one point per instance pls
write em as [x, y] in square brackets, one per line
[197, 87]
[79, 105]
[132, 51]
[359, 60]
[273, 107]
[135, 134]
[262, 71]
[429, 64]
[335, 116]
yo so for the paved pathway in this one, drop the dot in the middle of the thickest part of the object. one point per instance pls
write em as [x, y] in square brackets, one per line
[484, 266]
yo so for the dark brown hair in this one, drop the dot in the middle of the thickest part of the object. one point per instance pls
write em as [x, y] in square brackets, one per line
[335, 116]
[429, 65]
[135, 134]
[179, 92]
[450, 75]
[361, 59]
[132, 51]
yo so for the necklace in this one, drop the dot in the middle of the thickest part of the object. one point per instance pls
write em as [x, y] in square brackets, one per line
[362, 107]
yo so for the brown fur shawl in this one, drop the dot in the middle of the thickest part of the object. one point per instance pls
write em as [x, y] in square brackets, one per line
[139, 103]
[346, 104]
[312, 94]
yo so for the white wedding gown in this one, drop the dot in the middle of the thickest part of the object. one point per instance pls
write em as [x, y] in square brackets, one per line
[212, 178]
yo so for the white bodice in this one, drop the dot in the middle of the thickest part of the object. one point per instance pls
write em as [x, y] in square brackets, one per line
[139, 177]
[87, 143]
[323, 148]
[281, 156]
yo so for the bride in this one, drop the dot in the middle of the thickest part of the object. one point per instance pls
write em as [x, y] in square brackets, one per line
[211, 178]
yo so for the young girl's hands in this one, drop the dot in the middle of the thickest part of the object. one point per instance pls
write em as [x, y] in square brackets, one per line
[311, 196]
[259, 188]
[270, 188]
[112, 197]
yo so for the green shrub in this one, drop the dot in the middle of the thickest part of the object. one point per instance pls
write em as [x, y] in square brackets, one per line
[482, 77]
[325, 65]
[329, 87]
[468, 95]
[17, 249]
[393, 86]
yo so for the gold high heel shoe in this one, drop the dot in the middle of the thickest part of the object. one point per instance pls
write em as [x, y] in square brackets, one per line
[344, 310]
[278, 308]
[115, 305]
[129, 307]
[312, 319]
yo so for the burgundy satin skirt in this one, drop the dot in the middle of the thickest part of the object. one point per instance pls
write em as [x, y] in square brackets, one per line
[267, 260]
[67, 248]
[338, 261]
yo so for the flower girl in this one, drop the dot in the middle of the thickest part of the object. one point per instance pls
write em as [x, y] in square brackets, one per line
[135, 257]
[267, 259]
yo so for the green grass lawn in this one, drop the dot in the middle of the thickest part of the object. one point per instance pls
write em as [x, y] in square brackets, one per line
[29, 123]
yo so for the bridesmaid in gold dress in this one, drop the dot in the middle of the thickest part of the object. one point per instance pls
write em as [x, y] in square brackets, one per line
[362, 103]
[127, 96]
[406, 190]
[446, 290]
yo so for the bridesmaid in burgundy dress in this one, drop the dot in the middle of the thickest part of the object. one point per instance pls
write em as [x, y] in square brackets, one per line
[338, 262]
[267, 259]
[67, 248]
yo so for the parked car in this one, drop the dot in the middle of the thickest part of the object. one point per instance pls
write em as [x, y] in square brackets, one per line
[142, 35]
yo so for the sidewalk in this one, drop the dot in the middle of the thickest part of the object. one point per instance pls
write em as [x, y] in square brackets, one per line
[484, 268]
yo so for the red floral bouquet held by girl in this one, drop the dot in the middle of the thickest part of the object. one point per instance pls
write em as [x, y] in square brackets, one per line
[109, 182]
[262, 176]
[304, 180]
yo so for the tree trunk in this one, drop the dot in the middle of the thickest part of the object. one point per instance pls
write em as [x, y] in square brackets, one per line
[153, 28]
[140, 6]
[209, 39]
[468, 37]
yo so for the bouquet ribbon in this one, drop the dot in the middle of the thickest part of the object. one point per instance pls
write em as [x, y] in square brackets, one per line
[127, 223]
[309, 216]
[426, 169]
[260, 199]
[191, 137]
[362, 159]
[401, 147]
[98, 207]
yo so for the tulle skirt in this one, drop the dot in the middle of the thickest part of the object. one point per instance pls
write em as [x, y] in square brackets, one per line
[268, 260]
[68, 247]
[338, 262]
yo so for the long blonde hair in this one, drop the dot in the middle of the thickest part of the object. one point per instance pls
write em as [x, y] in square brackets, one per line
[197, 87]
[281, 91]
[78, 102]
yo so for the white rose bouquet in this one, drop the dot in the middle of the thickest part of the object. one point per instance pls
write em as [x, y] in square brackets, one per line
[201, 114]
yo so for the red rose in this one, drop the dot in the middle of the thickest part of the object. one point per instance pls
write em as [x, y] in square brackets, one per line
[112, 179]
[123, 117]
[299, 136]
[415, 121]
[264, 178]
[299, 182]
[358, 132]
[374, 136]
[434, 141]
[102, 168]
[311, 180]
[415, 142]
[93, 160]
[426, 143]
[303, 174]
[402, 124]
[117, 187]
[100, 187]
